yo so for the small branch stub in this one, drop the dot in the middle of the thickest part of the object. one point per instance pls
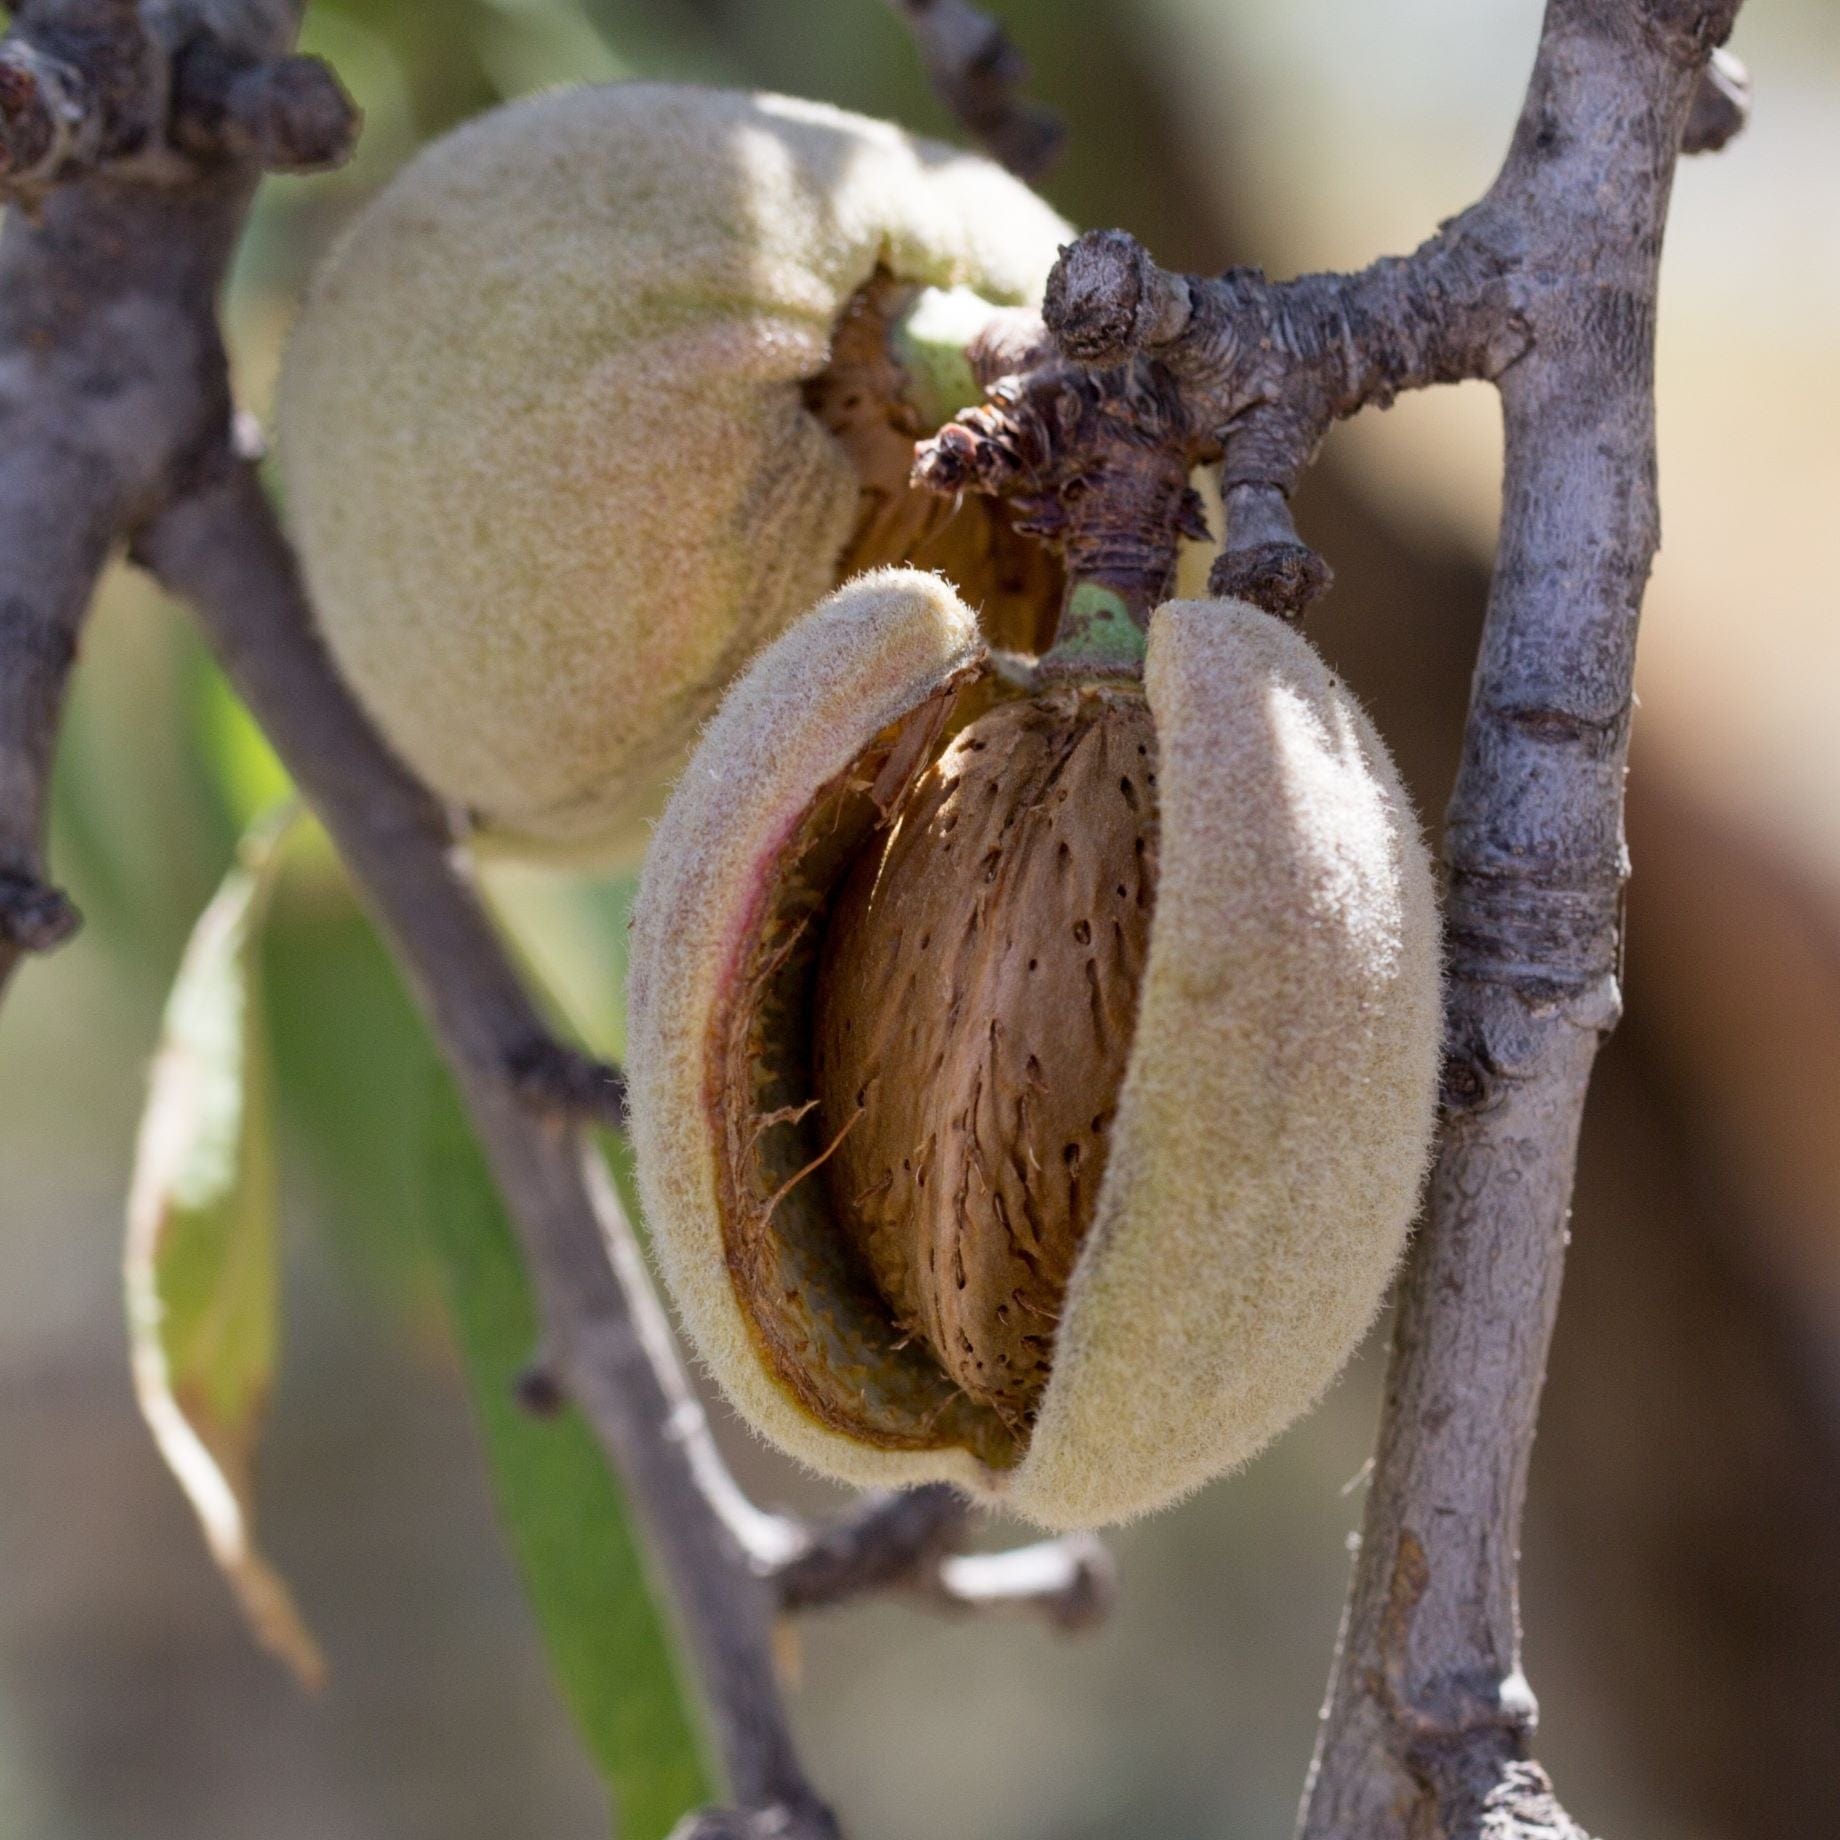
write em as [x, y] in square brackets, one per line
[562, 1083]
[979, 75]
[538, 1390]
[33, 916]
[1721, 105]
[1283, 578]
[292, 115]
[1107, 300]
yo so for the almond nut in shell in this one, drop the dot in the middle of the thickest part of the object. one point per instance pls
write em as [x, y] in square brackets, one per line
[1031, 1085]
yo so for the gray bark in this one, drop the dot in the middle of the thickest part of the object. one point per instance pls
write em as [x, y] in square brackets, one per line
[1430, 1720]
[979, 75]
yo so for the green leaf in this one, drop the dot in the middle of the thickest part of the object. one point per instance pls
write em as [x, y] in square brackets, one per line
[352, 1061]
[244, 772]
[201, 1266]
[612, 1651]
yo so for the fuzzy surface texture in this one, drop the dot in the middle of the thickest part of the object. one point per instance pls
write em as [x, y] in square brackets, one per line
[1275, 1116]
[803, 714]
[543, 434]
[1275, 1121]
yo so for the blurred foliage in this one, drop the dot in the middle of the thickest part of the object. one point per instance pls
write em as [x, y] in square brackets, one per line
[611, 1648]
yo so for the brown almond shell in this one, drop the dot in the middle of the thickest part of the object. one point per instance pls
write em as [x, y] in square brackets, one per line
[975, 1002]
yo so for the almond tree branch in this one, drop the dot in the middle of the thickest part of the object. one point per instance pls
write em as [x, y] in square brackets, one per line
[1430, 1721]
[907, 1542]
[115, 423]
[1547, 287]
[106, 392]
[220, 548]
[904, 1542]
[1262, 370]
[1234, 369]
[979, 75]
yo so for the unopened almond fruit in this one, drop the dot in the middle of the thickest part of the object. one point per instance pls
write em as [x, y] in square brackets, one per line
[606, 388]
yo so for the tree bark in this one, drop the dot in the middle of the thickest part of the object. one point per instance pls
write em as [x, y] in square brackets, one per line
[1546, 287]
[1430, 1717]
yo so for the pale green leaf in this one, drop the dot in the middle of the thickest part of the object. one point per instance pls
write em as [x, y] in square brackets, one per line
[201, 1265]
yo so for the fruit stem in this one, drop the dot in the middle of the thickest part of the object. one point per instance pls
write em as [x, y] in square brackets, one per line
[1101, 633]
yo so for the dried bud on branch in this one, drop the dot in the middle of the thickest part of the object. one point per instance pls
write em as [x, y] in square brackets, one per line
[291, 115]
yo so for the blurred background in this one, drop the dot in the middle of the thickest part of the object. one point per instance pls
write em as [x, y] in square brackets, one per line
[1682, 1592]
